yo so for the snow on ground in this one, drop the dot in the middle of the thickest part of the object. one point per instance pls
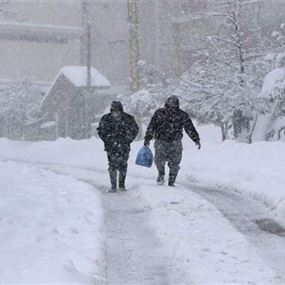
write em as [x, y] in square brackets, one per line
[157, 236]
[51, 228]
[255, 170]
[197, 243]
[203, 246]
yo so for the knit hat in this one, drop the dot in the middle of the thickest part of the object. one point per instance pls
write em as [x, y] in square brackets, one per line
[116, 106]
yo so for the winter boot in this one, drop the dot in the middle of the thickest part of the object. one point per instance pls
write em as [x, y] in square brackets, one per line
[113, 179]
[172, 178]
[122, 179]
[161, 173]
[160, 179]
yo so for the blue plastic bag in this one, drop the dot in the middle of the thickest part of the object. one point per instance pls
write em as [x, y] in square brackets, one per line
[145, 157]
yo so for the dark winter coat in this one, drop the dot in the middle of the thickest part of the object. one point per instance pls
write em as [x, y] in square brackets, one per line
[167, 124]
[118, 133]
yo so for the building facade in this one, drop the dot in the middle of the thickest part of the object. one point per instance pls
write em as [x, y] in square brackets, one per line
[39, 37]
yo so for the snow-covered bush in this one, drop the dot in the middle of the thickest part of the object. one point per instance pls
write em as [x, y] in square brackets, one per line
[143, 104]
[19, 106]
[150, 74]
[151, 97]
[271, 123]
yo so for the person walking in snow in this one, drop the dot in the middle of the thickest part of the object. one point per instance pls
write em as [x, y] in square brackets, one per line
[117, 130]
[166, 126]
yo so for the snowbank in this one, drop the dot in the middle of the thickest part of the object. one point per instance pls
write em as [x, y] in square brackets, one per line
[51, 228]
[255, 170]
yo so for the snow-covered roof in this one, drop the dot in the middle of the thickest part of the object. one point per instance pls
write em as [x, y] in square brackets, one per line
[274, 80]
[78, 76]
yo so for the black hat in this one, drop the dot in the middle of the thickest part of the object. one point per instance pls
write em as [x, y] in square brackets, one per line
[116, 106]
[172, 102]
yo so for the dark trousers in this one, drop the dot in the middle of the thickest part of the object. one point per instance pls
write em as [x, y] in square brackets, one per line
[170, 152]
[118, 162]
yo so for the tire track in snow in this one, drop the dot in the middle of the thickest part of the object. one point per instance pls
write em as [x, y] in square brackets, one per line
[253, 220]
[133, 254]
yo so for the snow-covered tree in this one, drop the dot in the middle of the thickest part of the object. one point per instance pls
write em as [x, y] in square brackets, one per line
[151, 97]
[270, 124]
[7, 14]
[223, 82]
[19, 105]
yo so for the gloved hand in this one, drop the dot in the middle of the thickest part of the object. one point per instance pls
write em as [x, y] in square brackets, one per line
[198, 144]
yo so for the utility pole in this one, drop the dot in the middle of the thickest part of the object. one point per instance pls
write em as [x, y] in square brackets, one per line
[88, 30]
[85, 60]
[86, 41]
[83, 40]
[134, 48]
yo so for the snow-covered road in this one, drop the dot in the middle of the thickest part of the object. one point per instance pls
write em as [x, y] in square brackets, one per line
[191, 235]
[133, 253]
[133, 249]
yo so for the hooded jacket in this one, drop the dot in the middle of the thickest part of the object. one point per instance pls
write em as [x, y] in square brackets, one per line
[167, 123]
[117, 129]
